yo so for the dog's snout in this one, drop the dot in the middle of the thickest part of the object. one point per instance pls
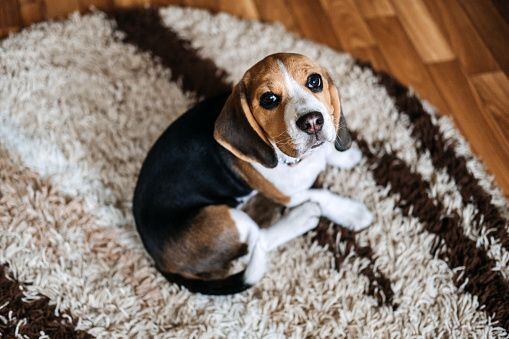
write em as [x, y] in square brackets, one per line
[310, 122]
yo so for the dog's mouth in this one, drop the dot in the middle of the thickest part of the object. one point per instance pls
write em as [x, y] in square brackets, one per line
[311, 145]
[315, 140]
[317, 144]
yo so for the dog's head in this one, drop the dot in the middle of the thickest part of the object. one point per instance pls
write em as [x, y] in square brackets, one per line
[284, 107]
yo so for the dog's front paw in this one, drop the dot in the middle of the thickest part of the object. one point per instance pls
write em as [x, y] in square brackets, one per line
[349, 213]
[360, 217]
[346, 159]
[305, 216]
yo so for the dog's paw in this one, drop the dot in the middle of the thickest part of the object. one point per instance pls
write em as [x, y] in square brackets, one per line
[360, 217]
[349, 213]
[346, 159]
[305, 216]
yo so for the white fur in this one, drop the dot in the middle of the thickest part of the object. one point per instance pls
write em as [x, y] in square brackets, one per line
[249, 233]
[343, 211]
[346, 159]
[297, 222]
[257, 265]
[294, 179]
[301, 101]
[247, 228]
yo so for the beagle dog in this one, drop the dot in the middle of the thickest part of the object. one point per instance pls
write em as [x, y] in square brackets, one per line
[273, 134]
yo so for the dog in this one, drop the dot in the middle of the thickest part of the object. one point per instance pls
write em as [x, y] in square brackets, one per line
[273, 134]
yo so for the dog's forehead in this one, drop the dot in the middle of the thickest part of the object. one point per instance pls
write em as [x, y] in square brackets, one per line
[269, 68]
[296, 65]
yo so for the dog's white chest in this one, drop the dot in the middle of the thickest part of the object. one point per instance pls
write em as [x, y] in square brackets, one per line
[293, 179]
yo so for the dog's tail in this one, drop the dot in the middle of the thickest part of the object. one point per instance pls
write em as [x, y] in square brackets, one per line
[229, 285]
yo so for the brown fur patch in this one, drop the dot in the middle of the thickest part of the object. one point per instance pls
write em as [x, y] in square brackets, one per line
[265, 76]
[334, 100]
[260, 183]
[207, 246]
[237, 130]
[263, 211]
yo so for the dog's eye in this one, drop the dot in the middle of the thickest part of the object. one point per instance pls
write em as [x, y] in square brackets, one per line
[314, 83]
[269, 100]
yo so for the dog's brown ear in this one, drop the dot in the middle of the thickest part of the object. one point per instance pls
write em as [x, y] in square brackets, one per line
[343, 138]
[237, 130]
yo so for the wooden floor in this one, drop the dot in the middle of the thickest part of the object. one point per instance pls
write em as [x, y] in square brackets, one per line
[455, 53]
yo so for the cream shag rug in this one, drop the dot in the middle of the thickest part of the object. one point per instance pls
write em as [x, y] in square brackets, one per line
[81, 102]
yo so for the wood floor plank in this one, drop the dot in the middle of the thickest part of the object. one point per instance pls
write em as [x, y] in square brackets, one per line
[167, 2]
[481, 129]
[242, 8]
[10, 17]
[348, 24]
[276, 11]
[104, 5]
[31, 11]
[503, 8]
[373, 55]
[493, 29]
[467, 45]
[375, 8]
[422, 30]
[212, 5]
[403, 60]
[58, 9]
[493, 91]
[312, 22]
[129, 3]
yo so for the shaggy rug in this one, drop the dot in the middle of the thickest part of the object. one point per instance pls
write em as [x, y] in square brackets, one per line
[81, 102]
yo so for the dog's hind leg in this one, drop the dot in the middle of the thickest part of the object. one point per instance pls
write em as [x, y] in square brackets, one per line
[250, 233]
[219, 234]
[261, 241]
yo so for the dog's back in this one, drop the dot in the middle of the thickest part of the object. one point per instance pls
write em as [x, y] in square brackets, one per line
[184, 171]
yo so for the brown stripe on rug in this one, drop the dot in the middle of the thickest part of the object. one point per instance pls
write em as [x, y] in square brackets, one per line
[379, 285]
[29, 317]
[453, 246]
[443, 155]
[144, 29]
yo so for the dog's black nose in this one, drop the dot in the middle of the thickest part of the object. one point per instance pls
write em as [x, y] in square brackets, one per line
[311, 122]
